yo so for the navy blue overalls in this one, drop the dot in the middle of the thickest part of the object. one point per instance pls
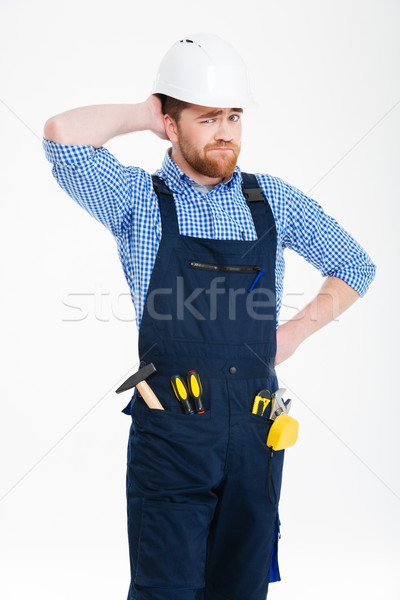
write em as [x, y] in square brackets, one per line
[203, 489]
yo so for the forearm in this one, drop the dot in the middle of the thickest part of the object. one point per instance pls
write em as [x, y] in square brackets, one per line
[334, 297]
[96, 124]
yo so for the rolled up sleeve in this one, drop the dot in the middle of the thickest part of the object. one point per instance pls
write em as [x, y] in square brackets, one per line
[95, 179]
[324, 243]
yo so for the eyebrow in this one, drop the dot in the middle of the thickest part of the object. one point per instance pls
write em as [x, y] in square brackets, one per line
[216, 113]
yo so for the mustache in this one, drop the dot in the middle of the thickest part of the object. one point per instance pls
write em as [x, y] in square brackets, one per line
[231, 146]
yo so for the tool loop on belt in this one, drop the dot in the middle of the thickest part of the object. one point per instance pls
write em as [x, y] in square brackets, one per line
[271, 480]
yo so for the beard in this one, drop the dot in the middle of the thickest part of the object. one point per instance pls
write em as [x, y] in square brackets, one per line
[206, 162]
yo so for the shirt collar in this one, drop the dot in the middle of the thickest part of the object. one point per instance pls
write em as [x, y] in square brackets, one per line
[176, 178]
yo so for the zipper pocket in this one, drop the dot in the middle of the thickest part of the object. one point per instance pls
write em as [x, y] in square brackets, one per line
[230, 269]
[235, 268]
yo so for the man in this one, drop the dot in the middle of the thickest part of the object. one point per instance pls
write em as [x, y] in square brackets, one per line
[201, 245]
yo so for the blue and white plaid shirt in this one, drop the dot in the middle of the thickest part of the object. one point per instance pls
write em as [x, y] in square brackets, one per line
[122, 198]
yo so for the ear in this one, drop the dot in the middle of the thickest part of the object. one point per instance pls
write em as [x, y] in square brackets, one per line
[170, 128]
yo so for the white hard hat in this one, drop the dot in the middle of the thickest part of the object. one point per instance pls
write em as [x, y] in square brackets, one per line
[204, 69]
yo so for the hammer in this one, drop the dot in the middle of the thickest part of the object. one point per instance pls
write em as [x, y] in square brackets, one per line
[138, 380]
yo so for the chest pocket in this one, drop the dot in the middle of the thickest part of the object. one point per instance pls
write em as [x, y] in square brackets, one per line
[230, 269]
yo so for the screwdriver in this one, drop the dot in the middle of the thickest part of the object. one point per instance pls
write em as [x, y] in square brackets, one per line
[181, 392]
[195, 390]
[261, 401]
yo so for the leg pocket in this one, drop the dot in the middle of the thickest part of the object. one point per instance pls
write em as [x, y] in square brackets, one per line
[172, 544]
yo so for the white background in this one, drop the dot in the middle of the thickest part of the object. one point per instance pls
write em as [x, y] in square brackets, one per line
[326, 75]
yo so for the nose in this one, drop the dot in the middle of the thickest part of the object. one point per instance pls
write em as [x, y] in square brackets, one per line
[224, 132]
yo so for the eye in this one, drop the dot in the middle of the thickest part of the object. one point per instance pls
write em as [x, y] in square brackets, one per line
[211, 120]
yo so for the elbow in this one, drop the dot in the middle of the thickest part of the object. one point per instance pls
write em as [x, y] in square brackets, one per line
[51, 131]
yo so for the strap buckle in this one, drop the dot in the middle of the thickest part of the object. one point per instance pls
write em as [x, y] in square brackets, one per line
[160, 186]
[253, 194]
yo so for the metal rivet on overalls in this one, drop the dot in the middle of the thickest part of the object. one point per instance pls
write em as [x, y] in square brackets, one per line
[232, 370]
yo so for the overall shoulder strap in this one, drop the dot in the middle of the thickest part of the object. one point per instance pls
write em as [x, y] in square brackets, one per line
[166, 202]
[264, 220]
[251, 190]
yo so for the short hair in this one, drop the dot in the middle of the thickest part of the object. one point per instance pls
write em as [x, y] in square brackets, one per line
[172, 106]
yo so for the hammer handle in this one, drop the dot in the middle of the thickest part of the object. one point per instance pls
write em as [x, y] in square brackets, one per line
[148, 395]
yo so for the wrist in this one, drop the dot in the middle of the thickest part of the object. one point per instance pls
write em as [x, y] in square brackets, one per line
[139, 118]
